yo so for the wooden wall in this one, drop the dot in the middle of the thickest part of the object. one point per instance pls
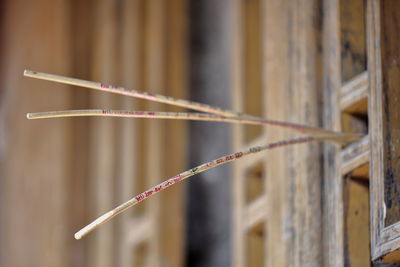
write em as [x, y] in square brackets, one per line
[57, 175]
[282, 225]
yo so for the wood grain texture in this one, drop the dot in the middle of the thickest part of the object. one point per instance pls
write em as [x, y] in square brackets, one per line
[293, 176]
[332, 192]
[34, 208]
[69, 171]
[78, 183]
[356, 220]
[352, 38]
[103, 146]
[390, 39]
[175, 138]
[128, 136]
[384, 37]
[355, 155]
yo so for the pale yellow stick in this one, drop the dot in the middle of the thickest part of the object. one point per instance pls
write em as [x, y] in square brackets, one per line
[130, 92]
[304, 129]
[176, 179]
[184, 116]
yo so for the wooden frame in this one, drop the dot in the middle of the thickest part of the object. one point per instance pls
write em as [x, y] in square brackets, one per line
[136, 151]
[289, 208]
[343, 94]
[385, 240]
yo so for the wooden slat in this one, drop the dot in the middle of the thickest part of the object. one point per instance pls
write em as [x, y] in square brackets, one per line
[155, 78]
[129, 133]
[303, 167]
[355, 155]
[333, 242]
[34, 156]
[276, 63]
[140, 229]
[102, 139]
[175, 137]
[255, 213]
[293, 177]
[238, 237]
[354, 91]
[79, 182]
[375, 125]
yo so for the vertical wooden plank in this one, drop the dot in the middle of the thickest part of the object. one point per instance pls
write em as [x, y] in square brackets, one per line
[375, 126]
[390, 53]
[332, 184]
[78, 181]
[294, 222]
[102, 140]
[34, 226]
[280, 241]
[238, 237]
[382, 45]
[175, 137]
[127, 164]
[304, 177]
[155, 79]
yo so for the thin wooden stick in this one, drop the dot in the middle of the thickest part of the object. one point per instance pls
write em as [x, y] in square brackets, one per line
[304, 129]
[188, 116]
[131, 93]
[186, 174]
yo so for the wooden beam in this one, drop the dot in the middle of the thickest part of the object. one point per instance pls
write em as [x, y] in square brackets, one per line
[332, 196]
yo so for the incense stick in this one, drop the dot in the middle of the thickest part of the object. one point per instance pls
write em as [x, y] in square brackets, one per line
[186, 174]
[304, 129]
[186, 116]
[131, 93]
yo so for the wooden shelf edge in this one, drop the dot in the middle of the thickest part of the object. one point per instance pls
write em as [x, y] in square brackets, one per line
[255, 212]
[355, 155]
[354, 90]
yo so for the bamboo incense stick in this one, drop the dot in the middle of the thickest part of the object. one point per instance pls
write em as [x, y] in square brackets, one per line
[211, 114]
[187, 116]
[186, 174]
[304, 129]
[131, 93]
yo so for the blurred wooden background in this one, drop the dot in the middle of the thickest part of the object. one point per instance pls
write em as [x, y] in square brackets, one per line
[304, 61]
[57, 175]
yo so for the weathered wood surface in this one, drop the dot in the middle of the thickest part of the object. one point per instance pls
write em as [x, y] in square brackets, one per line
[352, 38]
[292, 78]
[332, 193]
[383, 49]
[390, 52]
